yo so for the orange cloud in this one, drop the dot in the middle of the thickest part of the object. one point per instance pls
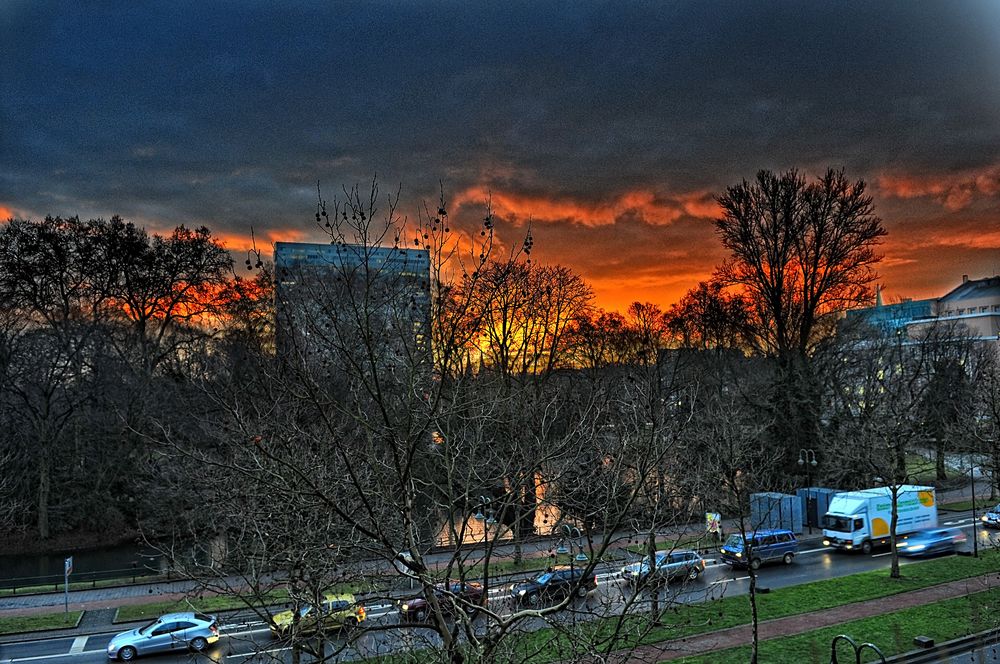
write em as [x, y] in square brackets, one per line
[644, 204]
[953, 191]
[264, 240]
[6, 213]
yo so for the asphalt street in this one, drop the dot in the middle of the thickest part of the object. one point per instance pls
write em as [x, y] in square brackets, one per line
[247, 638]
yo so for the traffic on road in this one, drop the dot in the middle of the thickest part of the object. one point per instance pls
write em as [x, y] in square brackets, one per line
[246, 638]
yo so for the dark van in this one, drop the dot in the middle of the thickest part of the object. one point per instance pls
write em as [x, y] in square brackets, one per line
[765, 546]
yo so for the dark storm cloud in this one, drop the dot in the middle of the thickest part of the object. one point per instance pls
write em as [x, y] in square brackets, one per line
[228, 113]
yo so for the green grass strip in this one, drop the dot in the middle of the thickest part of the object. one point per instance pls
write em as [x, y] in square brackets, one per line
[893, 633]
[38, 623]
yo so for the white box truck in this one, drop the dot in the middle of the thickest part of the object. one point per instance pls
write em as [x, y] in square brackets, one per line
[859, 520]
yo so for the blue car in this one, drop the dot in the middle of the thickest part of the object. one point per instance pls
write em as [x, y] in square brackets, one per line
[931, 542]
[764, 546]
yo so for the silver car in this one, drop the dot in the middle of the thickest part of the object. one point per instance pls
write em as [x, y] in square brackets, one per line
[173, 631]
[669, 565]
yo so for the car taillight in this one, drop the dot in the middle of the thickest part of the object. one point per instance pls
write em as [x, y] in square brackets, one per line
[214, 628]
[595, 579]
[361, 612]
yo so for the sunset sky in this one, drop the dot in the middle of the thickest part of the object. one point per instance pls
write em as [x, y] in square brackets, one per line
[610, 126]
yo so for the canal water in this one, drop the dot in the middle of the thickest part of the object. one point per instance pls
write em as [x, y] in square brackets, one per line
[126, 560]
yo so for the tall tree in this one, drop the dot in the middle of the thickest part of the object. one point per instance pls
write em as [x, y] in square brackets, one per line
[800, 252]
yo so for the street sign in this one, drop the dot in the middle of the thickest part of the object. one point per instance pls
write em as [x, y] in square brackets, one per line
[69, 565]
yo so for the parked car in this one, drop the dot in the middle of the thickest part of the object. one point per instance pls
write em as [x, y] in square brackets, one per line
[336, 611]
[173, 631]
[932, 541]
[451, 596]
[760, 547]
[668, 565]
[557, 582]
[992, 517]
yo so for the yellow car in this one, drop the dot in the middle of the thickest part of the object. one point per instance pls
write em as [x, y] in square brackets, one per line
[336, 611]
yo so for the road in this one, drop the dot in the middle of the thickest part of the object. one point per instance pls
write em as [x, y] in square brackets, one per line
[247, 639]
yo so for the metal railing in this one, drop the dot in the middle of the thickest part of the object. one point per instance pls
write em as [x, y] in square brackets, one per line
[80, 580]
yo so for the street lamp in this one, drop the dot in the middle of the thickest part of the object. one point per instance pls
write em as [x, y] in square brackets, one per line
[807, 458]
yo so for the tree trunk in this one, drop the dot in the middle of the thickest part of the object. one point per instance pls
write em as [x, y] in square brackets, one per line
[939, 459]
[44, 491]
[651, 584]
[894, 568]
[754, 618]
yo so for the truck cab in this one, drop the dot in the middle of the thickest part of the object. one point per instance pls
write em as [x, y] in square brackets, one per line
[847, 531]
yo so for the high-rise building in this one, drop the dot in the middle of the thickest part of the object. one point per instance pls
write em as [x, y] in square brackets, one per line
[339, 301]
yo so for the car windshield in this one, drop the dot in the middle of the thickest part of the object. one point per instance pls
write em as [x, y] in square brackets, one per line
[544, 578]
[304, 610]
[146, 629]
[734, 542]
[841, 524]
[995, 509]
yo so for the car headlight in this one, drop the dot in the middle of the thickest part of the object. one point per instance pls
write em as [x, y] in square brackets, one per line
[916, 547]
[521, 592]
[984, 518]
[739, 554]
[405, 607]
[826, 542]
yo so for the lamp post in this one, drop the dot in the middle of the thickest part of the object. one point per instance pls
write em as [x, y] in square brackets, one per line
[807, 458]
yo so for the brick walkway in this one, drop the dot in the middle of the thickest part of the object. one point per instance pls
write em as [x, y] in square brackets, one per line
[799, 624]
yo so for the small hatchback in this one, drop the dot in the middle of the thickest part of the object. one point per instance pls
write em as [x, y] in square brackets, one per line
[336, 612]
[761, 547]
[173, 631]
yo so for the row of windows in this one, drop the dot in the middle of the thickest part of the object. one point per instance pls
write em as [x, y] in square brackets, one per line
[971, 310]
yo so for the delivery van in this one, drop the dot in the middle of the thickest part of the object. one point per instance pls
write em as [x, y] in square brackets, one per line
[859, 520]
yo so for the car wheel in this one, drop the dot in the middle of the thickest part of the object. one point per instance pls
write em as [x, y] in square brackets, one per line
[198, 644]
[532, 599]
[693, 574]
[421, 615]
[866, 547]
[788, 558]
[755, 564]
[127, 654]
[581, 591]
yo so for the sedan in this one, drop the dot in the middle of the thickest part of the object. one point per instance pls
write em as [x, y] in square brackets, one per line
[451, 597]
[559, 581]
[932, 541]
[173, 631]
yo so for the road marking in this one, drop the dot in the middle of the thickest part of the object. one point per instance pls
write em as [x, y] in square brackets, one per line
[64, 654]
[78, 645]
[739, 578]
[879, 555]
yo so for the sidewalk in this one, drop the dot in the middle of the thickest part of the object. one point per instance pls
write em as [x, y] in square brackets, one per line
[799, 624]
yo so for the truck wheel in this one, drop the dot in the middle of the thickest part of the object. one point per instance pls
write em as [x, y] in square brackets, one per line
[787, 558]
[755, 564]
[866, 547]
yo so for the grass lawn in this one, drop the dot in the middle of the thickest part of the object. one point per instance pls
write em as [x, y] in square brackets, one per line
[982, 505]
[41, 622]
[921, 470]
[205, 605]
[694, 543]
[892, 633]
